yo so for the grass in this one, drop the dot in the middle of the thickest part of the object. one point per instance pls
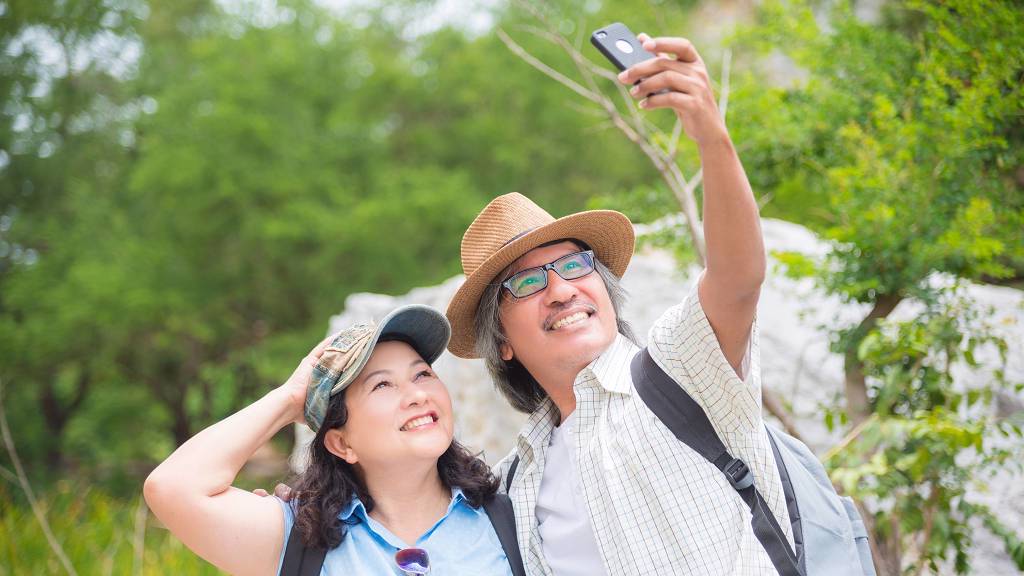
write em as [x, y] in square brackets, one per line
[101, 534]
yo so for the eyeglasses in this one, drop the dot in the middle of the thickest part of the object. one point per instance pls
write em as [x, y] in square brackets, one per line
[413, 561]
[532, 280]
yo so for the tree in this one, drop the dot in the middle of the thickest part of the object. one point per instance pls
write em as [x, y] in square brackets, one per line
[63, 143]
[904, 139]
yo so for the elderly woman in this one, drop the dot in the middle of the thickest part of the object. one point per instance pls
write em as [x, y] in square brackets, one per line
[387, 491]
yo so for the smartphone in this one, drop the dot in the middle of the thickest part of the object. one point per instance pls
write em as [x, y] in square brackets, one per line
[619, 45]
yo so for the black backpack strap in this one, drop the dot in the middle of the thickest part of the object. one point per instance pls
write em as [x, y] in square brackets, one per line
[300, 560]
[511, 474]
[688, 422]
[503, 518]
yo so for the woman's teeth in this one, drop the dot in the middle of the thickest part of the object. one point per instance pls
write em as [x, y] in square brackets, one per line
[571, 319]
[422, 420]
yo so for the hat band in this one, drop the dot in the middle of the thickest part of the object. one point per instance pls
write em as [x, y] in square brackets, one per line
[520, 235]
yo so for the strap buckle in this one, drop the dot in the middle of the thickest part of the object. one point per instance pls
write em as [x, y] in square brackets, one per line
[738, 474]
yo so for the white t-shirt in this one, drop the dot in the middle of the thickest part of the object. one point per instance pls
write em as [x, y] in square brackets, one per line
[567, 538]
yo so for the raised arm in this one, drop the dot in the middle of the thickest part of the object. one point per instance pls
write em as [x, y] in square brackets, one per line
[735, 259]
[191, 491]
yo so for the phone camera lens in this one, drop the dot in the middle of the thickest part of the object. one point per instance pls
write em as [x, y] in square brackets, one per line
[601, 34]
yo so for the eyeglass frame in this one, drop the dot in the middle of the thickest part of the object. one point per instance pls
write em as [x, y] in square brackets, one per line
[507, 283]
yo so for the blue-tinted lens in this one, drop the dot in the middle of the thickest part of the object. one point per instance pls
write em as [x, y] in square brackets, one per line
[574, 266]
[413, 560]
[528, 282]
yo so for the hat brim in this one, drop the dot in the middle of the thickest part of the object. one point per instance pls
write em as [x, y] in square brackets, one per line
[607, 232]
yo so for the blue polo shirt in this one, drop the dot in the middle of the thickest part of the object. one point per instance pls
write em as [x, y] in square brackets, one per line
[462, 542]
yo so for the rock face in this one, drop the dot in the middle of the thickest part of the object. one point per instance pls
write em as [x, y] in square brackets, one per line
[795, 360]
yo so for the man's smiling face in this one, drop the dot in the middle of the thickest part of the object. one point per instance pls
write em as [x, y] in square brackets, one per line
[565, 326]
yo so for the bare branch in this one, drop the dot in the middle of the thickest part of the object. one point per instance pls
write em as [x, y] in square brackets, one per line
[587, 109]
[673, 143]
[551, 72]
[27, 488]
[723, 97]
[601, 71]
[637, 128]
[774, 406]
[850, 437]
[587, 70]
[139, 536]
[8, 475]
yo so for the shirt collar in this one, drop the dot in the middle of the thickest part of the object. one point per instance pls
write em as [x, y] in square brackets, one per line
[536, 431]
[611, 368]
[608, 369]
[355, 506]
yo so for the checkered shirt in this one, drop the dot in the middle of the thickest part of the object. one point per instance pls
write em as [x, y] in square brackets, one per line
[656, 506]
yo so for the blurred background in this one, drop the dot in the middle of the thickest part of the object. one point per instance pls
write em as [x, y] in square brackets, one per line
[190, 190]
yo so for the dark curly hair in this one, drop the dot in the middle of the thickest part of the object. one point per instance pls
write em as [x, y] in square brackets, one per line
[329, 483]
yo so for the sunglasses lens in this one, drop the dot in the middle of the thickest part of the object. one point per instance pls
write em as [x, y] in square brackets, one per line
[574, 266]
[528, 282]
[413, 560]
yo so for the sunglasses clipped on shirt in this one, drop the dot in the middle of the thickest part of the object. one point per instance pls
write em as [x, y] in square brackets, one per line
[413, 561]
[532, 280]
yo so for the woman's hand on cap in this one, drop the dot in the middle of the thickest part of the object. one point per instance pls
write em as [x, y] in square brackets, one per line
[299, 380]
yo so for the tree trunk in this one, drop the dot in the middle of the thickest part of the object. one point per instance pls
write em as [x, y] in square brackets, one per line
[181, 429]
[857, 407]
[886, 550]
[57, 414]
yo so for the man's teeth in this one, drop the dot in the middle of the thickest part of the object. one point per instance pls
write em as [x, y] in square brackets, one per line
[571, 319]
[417, 422]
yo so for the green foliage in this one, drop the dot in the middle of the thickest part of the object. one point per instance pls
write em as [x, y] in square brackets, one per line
[98, 533]
[931, 438]
[175, 230]
[653, 206]
[900, 142]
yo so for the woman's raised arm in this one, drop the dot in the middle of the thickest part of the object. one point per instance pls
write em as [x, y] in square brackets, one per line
[191, 491]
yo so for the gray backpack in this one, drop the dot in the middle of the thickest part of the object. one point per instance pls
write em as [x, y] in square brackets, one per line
[828, 532]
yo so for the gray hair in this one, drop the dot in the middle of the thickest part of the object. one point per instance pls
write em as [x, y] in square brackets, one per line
[514, 381]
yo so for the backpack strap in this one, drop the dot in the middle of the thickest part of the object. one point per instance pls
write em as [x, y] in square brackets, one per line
[688, 422]
[511, 474]
[300, 560]
[791, 503]
[503, 518]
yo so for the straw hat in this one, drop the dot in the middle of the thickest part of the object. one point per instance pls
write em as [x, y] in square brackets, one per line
[512, 225]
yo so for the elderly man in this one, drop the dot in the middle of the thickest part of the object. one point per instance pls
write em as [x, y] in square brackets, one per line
[601, 486]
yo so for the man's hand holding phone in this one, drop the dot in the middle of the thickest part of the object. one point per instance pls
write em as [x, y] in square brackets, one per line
[679, 69]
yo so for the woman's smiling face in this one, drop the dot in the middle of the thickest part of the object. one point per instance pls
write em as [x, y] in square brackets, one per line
[398, 411]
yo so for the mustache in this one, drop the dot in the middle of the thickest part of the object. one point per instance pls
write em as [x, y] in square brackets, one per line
[570, 305]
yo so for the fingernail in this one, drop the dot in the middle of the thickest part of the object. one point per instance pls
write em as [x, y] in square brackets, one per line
[643, 103]
[649, 45]
[634, 90]
[622, 76]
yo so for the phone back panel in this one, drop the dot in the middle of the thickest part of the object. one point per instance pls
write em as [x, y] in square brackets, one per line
[619, 45]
